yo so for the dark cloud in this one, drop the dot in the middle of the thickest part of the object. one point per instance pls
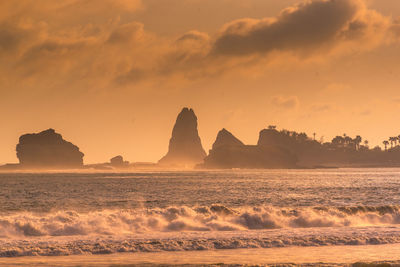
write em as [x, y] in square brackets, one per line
[13, 36]
[126, 33]
[114, 49]
[395, 27]
[310, 25]
[193, 36]
[9, 39]
[52, 48]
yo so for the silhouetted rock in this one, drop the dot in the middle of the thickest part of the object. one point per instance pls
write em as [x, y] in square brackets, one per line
[185, 147]
[230, 152]
[225, 138]
[118, 162]
[272, 137]
[48, 149]
[10, 167]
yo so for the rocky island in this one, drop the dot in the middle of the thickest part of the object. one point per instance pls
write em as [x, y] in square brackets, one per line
[47, 149]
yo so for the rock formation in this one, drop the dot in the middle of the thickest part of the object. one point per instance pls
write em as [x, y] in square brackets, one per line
[225, 138]
[118, 162]
[48, 149]
[272, 137]
[230, 152]
[185, 147]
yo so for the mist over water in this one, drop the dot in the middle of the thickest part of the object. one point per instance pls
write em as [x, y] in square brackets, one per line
[102, 213]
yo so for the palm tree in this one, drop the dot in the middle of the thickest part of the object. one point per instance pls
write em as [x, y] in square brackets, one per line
[357, 141]
[392, 141]
[386, 143]
[366, 143]
[302, 137]
[338, 141]
[348, 140]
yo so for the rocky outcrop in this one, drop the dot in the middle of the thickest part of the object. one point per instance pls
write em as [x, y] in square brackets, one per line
[230, 152]
[225, 138]
[118, 162]
[48, 149]
[272, 137]
[185, 147]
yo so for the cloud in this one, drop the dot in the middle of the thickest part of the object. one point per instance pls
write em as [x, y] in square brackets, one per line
[309, 26]
[126, 33]
[310, 29]
[194, 36]
[66, 12]
[395, 28]
[288, 102]
[321, 107]
[16, 36]
[95, 41]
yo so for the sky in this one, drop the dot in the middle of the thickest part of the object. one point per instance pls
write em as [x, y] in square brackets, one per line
[112, 75]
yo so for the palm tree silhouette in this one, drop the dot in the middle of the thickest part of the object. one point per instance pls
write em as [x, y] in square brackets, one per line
[386, 143]
[357, 141]
[392, 141]
[348, 140]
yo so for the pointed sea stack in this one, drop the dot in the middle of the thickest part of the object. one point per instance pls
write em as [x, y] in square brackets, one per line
[185, 149]
[48, 149]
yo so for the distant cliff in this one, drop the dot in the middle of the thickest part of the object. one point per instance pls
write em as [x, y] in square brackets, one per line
[230, 152]
[185, 147]
[48, 149]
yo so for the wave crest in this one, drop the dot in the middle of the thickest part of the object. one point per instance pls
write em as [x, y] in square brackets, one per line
[173, 219]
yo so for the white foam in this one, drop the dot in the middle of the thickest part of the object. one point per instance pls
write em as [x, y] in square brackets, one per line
[197, 228]
[177, 219]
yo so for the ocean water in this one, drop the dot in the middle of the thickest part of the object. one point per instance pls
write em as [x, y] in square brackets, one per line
[124, 215]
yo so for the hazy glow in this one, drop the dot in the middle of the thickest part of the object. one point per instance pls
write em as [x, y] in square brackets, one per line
[111, 76]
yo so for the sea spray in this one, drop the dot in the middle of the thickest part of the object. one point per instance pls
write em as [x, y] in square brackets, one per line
[176, 219]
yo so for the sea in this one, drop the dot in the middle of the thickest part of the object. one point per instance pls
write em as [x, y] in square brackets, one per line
[313, 217]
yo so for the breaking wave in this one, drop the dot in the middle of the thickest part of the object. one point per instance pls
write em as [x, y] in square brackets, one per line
[178, 219]
[261, 240]
[199, 228]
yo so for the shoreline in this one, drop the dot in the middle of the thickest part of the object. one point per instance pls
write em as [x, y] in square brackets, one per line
[288, 256]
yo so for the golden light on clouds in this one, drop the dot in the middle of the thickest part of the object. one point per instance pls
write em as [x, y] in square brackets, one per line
[112, 75]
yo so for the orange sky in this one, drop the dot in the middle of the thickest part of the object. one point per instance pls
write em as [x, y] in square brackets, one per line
[112, 75]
